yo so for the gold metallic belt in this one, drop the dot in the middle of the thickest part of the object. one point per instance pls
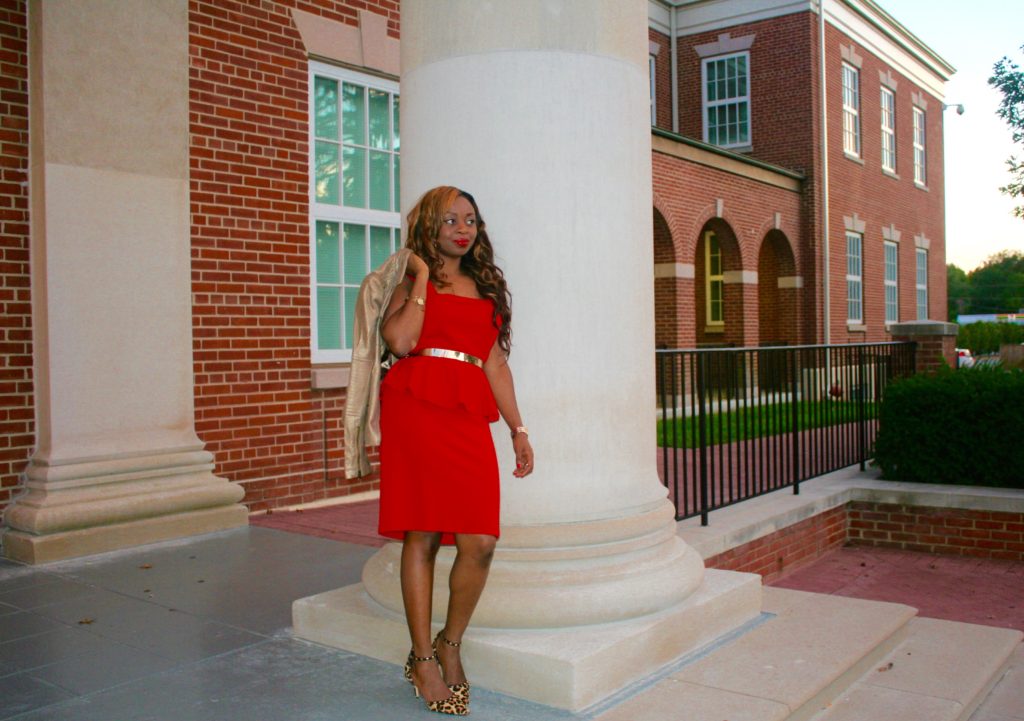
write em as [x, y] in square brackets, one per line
[453, 354]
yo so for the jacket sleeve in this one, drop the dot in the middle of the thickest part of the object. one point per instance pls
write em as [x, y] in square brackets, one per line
[361, 375]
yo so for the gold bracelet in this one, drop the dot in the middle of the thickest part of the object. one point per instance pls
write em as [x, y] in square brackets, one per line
[520, 429]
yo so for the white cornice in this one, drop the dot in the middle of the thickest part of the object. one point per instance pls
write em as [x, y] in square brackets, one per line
[659, 17]
[863, 21]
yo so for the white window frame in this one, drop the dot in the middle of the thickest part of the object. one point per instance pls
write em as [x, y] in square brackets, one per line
[921, 283]
[920, 146]
[851, 110]
[340, 213]
[888, 122]
[854, 277]
[652, 68]
[711, 280]
[892, 280]
[737, 100]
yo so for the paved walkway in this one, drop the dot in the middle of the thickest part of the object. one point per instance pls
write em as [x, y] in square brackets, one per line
[199, 629]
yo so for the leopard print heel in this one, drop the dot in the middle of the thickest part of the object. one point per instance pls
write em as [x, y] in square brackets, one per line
[459, 688]
[455, 705]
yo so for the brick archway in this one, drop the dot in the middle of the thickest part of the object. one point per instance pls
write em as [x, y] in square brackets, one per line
[777, 292]
[719, 282]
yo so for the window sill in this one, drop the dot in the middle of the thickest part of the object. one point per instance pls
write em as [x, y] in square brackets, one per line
[921, 186]
[890, 173]
[327, 378]
[714, 329]
[856, 328]
[855, 158]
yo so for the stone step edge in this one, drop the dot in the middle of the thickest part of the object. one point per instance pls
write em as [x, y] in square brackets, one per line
[968, 705]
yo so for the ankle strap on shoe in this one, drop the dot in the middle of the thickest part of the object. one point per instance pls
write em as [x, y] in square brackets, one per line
[423, 659]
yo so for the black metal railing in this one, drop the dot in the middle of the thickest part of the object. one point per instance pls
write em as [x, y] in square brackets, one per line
[735, 423]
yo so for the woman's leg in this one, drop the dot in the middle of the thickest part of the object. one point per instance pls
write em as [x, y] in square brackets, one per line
[419, 550]
[465, 584]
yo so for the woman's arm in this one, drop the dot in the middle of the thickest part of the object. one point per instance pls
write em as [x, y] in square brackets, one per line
[499, 375]
[403, 319]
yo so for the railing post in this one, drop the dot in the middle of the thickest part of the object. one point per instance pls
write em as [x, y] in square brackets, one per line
[795, 400]
[862, 450]
[702, 438]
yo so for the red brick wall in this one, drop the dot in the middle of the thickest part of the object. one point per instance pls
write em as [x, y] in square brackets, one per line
[983, 534]
[958, 532]
[249, 152]
[662, 79]
[782, 106]
[788, 549]
[17, 403]
[879, 199]
[687, 194]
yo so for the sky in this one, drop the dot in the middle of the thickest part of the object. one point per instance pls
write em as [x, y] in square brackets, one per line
[971, 35]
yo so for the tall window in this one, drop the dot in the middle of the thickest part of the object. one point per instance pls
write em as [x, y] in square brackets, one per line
[892, 289]
[922, 284]
[920, 164]
[354, 197]
[888, 130]
[727, 100]
[714, 279]
[851, 110]
[652, 67]
[854, 278]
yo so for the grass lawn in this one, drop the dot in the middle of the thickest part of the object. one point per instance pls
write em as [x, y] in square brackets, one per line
[758, 421]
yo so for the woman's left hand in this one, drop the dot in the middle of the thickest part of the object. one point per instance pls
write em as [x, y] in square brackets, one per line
[524, 455]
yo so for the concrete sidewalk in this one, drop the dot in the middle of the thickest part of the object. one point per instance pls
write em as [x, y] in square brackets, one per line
[199, 629]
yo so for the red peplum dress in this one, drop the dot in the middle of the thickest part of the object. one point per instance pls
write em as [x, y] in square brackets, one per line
[438, 468]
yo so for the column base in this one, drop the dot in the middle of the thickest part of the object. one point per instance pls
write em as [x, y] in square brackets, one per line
[570, 668]
[28, 548]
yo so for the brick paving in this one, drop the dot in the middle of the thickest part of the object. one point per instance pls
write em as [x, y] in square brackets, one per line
[955, 588]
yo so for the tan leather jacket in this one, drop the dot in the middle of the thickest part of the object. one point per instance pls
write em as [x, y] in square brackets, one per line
[362, 403]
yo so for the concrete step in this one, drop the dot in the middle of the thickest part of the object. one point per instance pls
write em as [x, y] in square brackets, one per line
[1006, 700]
[786, 669]
[941, 671]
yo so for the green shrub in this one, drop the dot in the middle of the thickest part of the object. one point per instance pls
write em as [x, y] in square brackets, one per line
[984, 337]
[960, 427]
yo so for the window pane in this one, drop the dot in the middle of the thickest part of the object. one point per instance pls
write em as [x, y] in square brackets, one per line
[328, 269]
[326, 121]
[353, 113]
[328, 318]
[396, 145]
[380, 120]
[350, 311]
[398, 203]
[355, 253]
[326, 172]
[354, 171]
[380, 180]
[380, 245]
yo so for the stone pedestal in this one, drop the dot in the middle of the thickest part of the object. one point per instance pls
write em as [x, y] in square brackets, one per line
[540, 110]
[118, 462]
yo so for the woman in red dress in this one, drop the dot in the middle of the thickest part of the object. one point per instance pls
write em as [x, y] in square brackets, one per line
[449, 322]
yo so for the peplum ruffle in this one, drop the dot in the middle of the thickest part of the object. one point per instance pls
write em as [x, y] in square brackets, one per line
[444, 382]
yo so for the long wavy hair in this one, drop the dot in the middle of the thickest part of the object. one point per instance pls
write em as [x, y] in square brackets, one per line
[424, 223]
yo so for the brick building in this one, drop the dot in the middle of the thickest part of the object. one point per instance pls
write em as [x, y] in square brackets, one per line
[293, 161]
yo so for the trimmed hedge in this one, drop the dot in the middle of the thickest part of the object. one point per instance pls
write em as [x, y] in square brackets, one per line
[963, 427]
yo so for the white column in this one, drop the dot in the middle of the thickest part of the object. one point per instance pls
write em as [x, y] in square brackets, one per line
[540, 110]
[118, 462]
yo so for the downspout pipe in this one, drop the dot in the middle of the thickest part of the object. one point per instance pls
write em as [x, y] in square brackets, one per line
[826, 280]
[673, 13]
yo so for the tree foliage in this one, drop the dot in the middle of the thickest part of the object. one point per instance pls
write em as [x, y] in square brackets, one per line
[1008, 78]
[996, 286]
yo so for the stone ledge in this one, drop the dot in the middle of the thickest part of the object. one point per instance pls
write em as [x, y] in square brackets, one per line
[758, 517]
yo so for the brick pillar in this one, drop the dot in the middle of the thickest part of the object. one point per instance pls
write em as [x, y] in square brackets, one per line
[936, 342]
